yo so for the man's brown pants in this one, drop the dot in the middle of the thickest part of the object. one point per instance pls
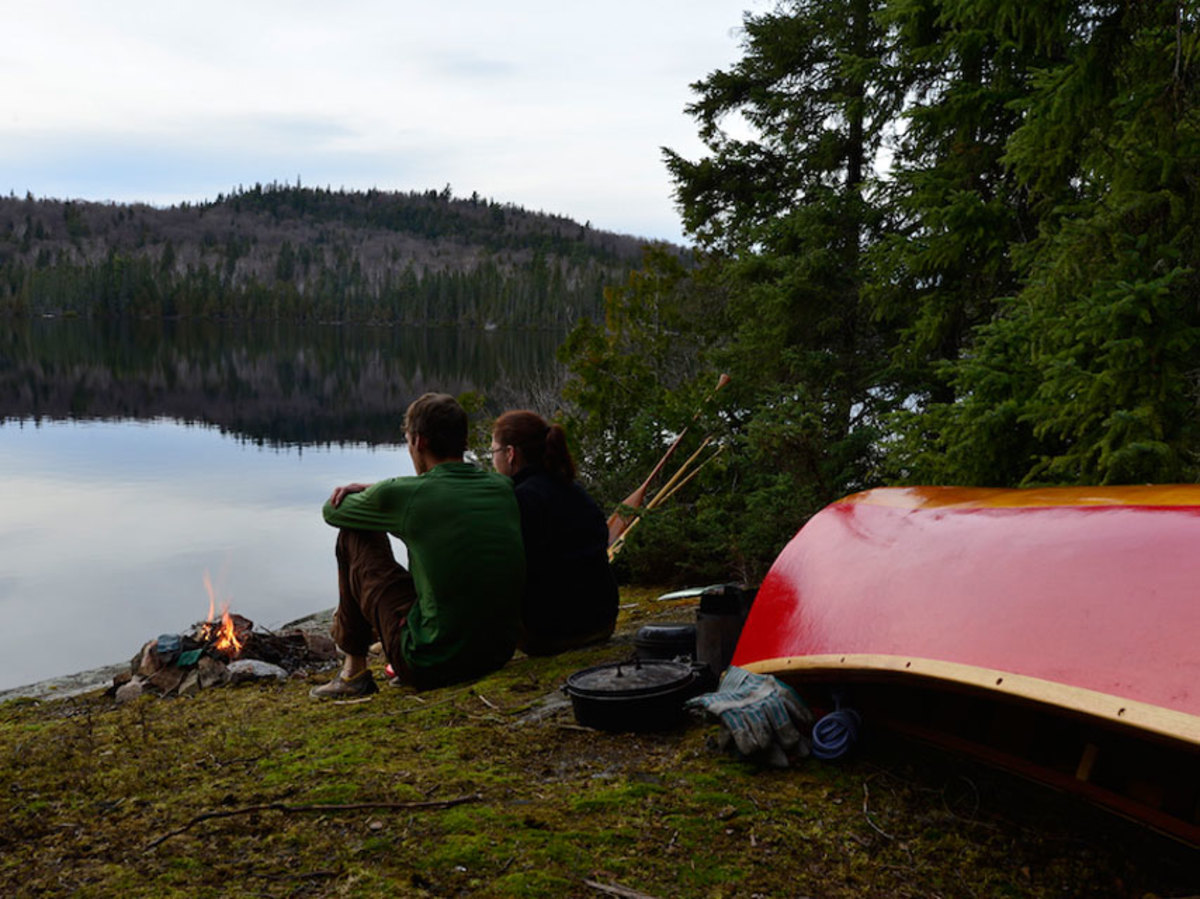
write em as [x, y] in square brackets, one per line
[375, 594]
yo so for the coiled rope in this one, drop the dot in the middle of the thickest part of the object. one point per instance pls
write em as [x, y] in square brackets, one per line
[837, 732]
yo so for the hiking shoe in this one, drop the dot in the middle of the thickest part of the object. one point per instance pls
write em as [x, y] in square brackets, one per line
[362, 684]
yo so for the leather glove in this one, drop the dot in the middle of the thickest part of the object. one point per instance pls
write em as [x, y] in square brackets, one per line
[762, 717]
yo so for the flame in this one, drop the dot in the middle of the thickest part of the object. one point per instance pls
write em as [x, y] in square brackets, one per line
[223, 635]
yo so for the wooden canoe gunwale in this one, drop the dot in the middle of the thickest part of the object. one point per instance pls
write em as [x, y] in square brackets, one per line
[1148, 774]
[1113, 710]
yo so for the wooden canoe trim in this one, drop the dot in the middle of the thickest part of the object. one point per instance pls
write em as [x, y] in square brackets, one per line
[1155, 495]
[1123, 712]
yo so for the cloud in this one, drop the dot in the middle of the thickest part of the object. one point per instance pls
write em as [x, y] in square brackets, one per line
[552, 106]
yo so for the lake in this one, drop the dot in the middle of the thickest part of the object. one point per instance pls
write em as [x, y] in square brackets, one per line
[142, 460]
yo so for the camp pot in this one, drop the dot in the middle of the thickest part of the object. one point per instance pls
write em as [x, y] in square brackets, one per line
[719, 622]
[637, 695]
[665, 641]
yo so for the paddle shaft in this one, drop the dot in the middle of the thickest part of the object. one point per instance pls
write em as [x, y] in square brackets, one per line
[617, 522]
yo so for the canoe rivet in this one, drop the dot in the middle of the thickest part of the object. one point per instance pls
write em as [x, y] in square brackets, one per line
[908, 664]
[999, 681]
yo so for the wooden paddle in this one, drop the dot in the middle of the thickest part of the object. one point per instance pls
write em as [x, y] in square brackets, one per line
[677, 480]
[620, 520]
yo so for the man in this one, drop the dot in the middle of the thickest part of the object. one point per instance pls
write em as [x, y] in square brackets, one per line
[455, 614]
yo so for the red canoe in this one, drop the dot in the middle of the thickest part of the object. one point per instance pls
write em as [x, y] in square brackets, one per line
[1077, 604]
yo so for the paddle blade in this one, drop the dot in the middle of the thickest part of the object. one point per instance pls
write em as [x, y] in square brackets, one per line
[618, 522]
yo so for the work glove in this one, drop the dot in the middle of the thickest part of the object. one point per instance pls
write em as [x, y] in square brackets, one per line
[760, 716]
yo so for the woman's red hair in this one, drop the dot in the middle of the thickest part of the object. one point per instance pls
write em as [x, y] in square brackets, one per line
[541, 443]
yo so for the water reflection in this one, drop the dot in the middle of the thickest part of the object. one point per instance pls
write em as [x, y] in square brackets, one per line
[110, 527]
[274, 384]
[135, 460]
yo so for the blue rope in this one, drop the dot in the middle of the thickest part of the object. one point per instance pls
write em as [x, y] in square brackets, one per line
[836, 733]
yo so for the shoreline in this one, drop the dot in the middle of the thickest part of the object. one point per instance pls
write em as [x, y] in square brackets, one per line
[67, 685]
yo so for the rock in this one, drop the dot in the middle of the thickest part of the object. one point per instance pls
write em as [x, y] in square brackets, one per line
[245, 670]
[166, 679]
[147, 661]
[190, 683]
[128, 691]
[320, 647]
[212, 672]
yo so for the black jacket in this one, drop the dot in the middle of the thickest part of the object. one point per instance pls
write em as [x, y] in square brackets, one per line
[570, 589]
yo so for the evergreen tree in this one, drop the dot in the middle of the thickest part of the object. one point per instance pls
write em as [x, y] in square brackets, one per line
[1087, 375]
[786, 216]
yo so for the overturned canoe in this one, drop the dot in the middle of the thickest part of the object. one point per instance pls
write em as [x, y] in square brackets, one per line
[1080, 606]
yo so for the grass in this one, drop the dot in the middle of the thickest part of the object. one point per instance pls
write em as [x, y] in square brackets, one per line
[101, 800]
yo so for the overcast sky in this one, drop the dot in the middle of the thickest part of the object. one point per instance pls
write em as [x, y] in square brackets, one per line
[556, 106]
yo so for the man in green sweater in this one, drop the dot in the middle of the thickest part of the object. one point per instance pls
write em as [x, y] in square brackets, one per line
[455, 613]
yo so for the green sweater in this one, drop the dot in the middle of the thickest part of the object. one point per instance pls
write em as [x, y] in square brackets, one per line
[463, 534]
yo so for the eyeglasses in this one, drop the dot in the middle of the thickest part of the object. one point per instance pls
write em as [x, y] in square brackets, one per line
[496, 449]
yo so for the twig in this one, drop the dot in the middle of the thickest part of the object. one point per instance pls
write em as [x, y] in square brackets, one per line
[491, 705]
[867, 813]
[614, 889]
[974, 790]
[282, 807]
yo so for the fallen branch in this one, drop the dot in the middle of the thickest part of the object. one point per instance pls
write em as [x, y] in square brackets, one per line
[428, 805]
[614, 889]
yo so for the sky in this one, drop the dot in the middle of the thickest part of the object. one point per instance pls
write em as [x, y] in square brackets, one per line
[560, 107]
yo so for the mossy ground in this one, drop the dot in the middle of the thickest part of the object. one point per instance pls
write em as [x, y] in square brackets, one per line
[88, 786]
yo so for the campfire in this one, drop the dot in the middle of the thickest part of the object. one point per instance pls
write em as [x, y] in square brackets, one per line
[224, 648]
[226, 636]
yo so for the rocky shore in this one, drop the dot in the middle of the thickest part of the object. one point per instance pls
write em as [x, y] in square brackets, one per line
[100, 678]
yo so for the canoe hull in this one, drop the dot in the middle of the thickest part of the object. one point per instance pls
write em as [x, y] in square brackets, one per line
[1082, 603]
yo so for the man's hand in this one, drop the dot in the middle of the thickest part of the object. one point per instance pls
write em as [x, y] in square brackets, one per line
[340, 493]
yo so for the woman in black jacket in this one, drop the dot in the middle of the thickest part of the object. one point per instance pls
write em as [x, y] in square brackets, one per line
[570, 592]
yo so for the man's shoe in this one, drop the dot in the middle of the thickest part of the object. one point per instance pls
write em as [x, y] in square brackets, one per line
[362, 684]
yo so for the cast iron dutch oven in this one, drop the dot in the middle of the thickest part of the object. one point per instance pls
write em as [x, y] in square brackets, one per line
[640, 694]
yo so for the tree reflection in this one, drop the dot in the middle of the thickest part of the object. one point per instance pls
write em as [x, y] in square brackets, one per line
[273, 384]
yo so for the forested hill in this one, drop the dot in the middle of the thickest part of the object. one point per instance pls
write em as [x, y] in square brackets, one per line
[279, 252]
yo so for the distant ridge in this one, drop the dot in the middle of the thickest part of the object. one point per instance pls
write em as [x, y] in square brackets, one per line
[280, 252]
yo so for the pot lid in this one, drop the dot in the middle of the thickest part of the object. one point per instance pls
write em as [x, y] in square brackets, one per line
[632, 678]
[662, 634]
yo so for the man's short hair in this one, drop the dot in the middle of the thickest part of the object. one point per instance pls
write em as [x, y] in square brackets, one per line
[441, 421]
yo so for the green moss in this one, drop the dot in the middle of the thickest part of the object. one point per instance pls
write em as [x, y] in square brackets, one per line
[472, 819]
[534, 884]
[87, 786]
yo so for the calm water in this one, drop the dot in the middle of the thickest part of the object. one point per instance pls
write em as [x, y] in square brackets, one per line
[136, 464]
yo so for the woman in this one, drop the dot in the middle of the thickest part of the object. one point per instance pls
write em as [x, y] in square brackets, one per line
[570, 592]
